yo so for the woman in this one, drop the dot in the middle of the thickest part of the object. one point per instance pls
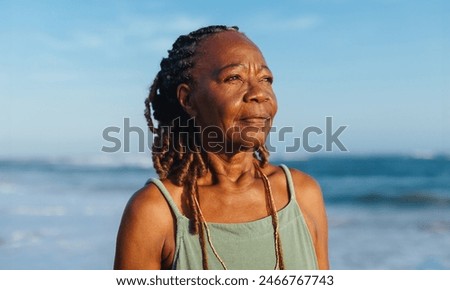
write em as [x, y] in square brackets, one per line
[218, 202]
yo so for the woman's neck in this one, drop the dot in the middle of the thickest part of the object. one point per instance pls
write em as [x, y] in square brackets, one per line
[230, 168]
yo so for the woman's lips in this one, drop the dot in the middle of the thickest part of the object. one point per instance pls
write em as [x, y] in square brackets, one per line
[256, 121]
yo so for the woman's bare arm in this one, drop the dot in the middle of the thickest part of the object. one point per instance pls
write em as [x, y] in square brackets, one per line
[145, 225]
[309, 197]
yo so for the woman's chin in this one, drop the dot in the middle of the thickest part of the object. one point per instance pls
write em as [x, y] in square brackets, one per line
[251, 141]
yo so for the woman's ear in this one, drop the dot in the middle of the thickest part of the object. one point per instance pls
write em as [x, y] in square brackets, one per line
[183, 95]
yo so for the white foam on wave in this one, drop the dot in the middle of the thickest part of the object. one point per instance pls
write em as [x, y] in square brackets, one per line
[107, 160]
[102, 160]
[7, 187]
[429, 155]
[25, 238]
[40, 211]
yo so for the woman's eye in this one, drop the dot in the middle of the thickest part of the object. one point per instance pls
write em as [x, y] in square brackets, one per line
[268, 79]
[232, 78]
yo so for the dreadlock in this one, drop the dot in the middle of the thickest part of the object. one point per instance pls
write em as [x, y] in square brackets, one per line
[176, 152]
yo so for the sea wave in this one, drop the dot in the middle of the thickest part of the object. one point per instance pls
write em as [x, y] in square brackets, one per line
[398, 166]
[395, 180]
[96, 162]
[406, 199]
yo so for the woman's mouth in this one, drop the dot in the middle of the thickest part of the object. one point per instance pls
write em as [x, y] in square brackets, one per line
[256, 121]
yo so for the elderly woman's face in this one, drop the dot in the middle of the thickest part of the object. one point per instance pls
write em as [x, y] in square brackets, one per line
[232, 90]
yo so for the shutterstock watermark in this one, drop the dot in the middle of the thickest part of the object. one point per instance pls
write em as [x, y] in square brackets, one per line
[286, 138]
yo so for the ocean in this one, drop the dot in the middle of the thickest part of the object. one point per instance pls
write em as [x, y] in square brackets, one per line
[384, 212]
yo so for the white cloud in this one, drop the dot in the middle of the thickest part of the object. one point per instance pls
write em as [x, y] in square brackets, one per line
[160, 44]
[47, 76]
[299, 23]
[183, 23]
[144, 32]
[153, 33]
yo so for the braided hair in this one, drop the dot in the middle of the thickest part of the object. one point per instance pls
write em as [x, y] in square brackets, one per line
[176, 151]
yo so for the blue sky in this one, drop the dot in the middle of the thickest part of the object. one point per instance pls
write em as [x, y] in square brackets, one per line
[70, 69]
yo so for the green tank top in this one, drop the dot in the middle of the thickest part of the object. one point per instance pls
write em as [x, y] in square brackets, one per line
[248, 245]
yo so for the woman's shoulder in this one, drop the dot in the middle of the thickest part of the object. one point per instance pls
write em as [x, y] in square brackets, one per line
[303, 182]
[307, 190]
[150, 201]
[146, 213]
[145, 237]
[309, 197]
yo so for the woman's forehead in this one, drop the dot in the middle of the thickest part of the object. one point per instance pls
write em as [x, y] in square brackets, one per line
[226, 45]
[225, 36]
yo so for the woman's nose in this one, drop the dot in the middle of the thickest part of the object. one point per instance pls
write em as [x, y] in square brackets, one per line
[256, 93]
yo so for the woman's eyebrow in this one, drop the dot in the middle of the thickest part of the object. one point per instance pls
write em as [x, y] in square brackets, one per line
[233, 65]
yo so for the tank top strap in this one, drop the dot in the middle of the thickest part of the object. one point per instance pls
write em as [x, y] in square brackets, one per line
[166, 195]
[290, 183]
